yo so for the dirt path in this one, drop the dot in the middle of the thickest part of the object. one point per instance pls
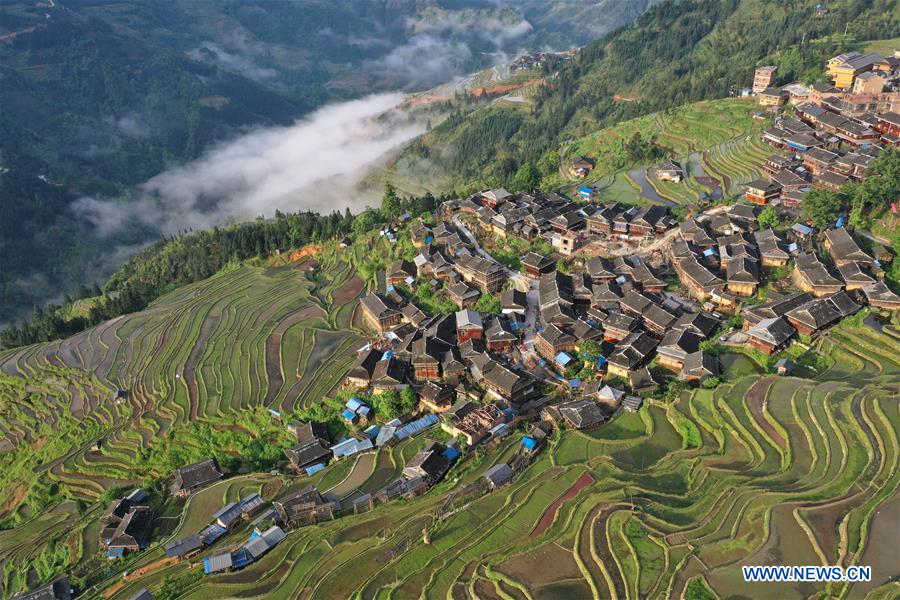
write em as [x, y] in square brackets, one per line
[550, 514]
[137, 574]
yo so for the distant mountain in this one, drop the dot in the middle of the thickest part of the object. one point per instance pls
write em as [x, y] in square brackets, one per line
[676, 52]
[99, 95]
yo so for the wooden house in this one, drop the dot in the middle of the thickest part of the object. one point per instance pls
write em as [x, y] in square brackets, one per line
[380, 313]
[770, 335]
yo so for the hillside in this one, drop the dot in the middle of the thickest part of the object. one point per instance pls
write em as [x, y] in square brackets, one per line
[675, 53]
[696, 485]
[99, 96]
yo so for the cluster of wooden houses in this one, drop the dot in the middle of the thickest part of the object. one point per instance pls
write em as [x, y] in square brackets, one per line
[721, 260]
[565, 225]
[838, 130]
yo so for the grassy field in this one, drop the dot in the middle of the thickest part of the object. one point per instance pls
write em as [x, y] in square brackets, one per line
[762, 470]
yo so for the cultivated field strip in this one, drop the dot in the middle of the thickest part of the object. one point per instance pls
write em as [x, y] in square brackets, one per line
[785, 468]
[198, 355]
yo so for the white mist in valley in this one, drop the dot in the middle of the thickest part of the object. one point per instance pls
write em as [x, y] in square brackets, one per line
[316, 164]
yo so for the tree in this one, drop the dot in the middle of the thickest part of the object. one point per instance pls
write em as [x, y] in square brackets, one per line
[711, 347]
[390, 202]
[408, 400]
[769, 218]
[526, 179]
[822, 207]
[489, 303]
[590, 350]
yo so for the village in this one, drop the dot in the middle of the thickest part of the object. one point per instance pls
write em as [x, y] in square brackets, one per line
[609, 306]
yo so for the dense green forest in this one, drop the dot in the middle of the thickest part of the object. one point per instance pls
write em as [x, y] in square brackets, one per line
[98, 96]
[677, 52]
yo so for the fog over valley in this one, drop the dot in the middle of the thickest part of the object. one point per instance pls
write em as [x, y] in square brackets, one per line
[316, 164]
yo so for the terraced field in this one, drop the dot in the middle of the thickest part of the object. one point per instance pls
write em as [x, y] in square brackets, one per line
[716, 141]
[208, 354]
[787, 470]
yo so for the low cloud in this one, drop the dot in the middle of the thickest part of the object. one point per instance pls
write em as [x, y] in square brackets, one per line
[316, 164]
[238, 53]
[442, 45]
[424, 60]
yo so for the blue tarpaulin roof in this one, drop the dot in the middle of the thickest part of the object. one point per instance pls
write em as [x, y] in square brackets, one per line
[451, 453]
[348, 414]
[414, 427]
[601, 361]
[313, 469]
[575, 383]
[350, 447]
[115, 553]
[585, 190]
[563, 358]
[240, 558]
[354, 404]
[529, 443]
[388, 354]
[212, 533]
[429, 239]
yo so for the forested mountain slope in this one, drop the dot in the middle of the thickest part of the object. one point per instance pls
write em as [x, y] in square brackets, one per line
[100, 95]
[676, 52]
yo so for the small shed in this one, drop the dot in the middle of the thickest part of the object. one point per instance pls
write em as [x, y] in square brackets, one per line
[498, 475]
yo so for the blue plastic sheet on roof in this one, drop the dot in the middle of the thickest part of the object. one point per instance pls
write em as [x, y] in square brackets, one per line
[115, 553]
[451, 453]
[390, 288]
[240, 558]
[563, 358]
[313, 469]
[354, 404]
[212, 533]
[601, 361]
[429, 239]
[529, 443]
[586, 191]
[575, 383]
[348, 414]
[415, 427]
[388, 354]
